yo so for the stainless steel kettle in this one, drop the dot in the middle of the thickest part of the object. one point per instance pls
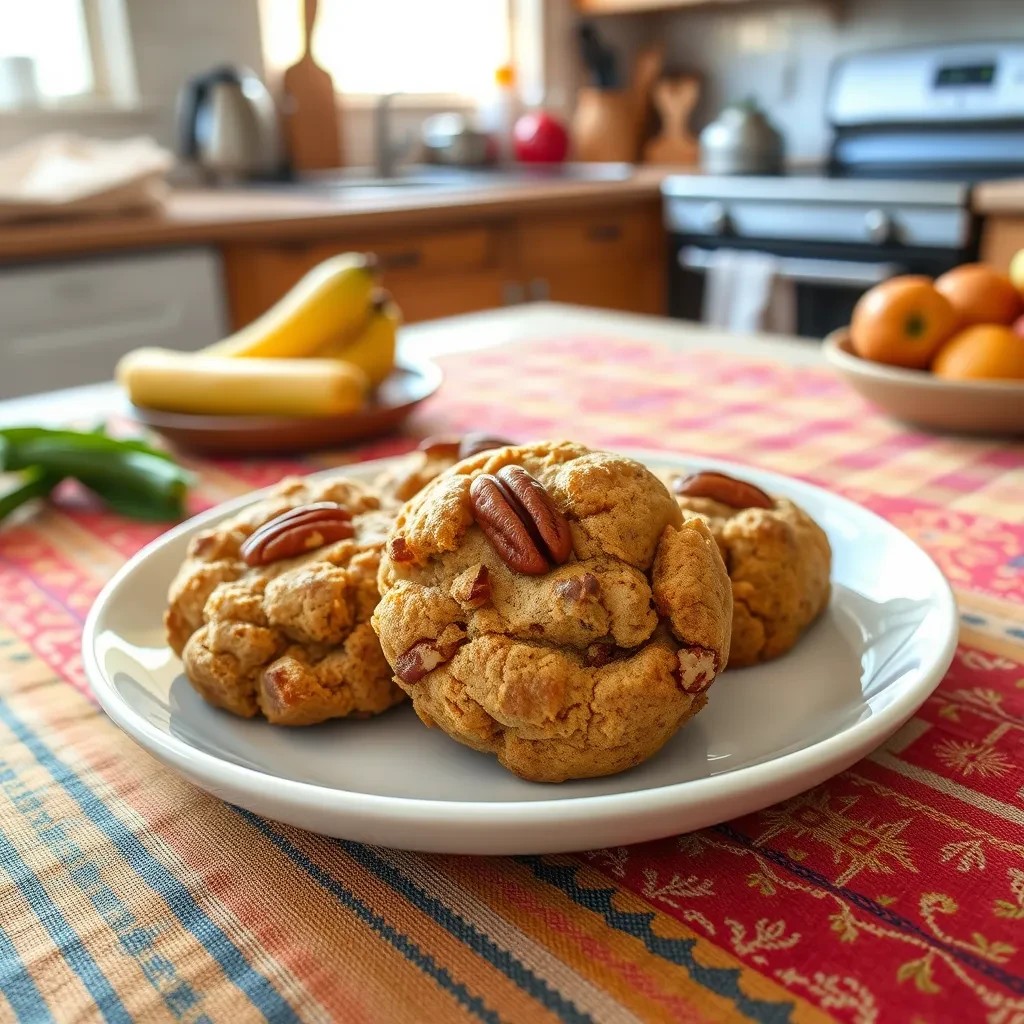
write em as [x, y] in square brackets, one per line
[229, 126]
[741, 141]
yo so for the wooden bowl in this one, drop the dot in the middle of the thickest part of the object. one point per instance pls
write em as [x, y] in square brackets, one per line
[409, 384]
[919, 398]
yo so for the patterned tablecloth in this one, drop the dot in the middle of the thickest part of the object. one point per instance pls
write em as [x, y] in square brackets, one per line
[893, 893]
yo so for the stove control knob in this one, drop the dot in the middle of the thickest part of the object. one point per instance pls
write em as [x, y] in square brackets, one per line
[879, 227]
[715, 218]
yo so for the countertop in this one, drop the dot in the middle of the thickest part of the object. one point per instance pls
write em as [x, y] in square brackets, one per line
[506, 326]
[231, 215]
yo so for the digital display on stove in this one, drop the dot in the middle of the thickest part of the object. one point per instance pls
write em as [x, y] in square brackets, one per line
[965, 74]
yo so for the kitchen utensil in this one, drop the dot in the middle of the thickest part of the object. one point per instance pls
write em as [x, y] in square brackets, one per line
[859, 674]
[449, 139]
[311, 121]
[409, 384]
[917, 397]
[741, 141]
[228, 126]
[674, 99]
[646, 71]
[599, 59]
[19, 83]
[604, 127]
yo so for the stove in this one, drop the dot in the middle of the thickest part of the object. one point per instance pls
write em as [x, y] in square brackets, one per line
[912, 129]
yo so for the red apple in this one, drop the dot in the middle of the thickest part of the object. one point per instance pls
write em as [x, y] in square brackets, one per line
[539, 138]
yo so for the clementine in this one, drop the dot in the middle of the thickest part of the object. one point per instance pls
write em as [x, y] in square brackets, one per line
[902, 321]
[981, 352]
[980, 294]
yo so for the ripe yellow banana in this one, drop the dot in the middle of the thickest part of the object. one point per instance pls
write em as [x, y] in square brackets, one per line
[331, 301]
[373, 348]
[221, 385]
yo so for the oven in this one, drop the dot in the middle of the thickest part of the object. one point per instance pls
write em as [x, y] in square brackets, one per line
[827, 279]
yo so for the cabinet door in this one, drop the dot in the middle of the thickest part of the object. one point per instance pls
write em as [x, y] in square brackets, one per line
[613, 258]
[430, 274]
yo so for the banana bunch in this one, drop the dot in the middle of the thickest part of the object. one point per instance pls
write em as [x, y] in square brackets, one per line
[318, 351]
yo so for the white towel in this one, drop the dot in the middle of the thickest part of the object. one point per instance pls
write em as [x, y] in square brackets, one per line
[744, 291]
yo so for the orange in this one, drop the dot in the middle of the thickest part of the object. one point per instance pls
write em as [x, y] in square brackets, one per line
[980, 294]
[981, 352]
[902, 321]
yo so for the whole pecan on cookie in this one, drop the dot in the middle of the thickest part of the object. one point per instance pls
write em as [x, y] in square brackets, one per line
[521, 520]
[726, 490]
[297, 531]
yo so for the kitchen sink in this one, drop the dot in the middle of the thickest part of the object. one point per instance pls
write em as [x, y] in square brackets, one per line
[360, 181]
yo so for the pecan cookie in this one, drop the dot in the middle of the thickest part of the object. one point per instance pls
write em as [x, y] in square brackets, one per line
[548, 604]
[432, 457]
[270, 612]
[778, 559]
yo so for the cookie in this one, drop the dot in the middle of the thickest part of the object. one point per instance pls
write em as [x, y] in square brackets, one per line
[778, 559]
[433, 457]
[270, 612]
[549, 605]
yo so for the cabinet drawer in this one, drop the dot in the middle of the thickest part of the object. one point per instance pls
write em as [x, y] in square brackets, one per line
[472, 249]
[621, 234]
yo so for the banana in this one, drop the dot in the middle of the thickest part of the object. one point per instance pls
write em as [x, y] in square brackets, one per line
[331, 301]
[222, 385]
[373, 349]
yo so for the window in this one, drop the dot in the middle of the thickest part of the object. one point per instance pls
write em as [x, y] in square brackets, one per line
[79, 48]
[412, 46]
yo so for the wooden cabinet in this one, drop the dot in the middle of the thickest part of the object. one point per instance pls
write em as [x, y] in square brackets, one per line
[606, 255]
[613, 259]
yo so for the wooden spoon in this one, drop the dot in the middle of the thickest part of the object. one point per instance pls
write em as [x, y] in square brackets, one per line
[312, 127]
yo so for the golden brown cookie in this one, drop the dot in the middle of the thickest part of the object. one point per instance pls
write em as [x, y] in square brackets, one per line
[778, 559]
[287, 635]
[569, 623]
[432, 457]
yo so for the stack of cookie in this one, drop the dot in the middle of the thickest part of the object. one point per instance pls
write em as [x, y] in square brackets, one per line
[552, 605]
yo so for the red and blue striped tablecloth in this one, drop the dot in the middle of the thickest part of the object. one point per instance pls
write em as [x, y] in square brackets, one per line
[892, 893]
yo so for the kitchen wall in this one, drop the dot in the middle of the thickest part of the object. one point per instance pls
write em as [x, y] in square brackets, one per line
[781, 52]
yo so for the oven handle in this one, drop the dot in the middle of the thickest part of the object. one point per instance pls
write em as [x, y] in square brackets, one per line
[804, 271]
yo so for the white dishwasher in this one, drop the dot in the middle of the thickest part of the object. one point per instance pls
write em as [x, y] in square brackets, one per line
[63, 324]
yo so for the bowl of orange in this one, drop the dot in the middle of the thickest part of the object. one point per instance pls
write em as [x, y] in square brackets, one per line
[946, 355]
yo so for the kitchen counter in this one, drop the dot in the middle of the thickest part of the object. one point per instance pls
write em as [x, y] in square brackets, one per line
[210, 217]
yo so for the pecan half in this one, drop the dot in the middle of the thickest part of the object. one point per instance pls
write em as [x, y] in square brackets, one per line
[726, 490]
[297, 531]
[449, 447]
[442, 446]
[423, 657]
[521, 520]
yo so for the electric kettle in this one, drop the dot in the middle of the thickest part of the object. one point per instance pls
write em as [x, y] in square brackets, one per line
[229, 126]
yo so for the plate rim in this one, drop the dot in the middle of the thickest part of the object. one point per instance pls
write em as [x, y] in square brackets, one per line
[841, 749]
[165, 419]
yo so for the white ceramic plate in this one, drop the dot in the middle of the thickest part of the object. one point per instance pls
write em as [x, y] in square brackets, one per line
[917, 397]
[767, 732]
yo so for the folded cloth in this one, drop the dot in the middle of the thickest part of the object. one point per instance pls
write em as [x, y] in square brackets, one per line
[745, 291]
[68, 175]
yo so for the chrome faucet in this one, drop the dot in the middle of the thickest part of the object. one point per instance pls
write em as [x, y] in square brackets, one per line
[387, 152]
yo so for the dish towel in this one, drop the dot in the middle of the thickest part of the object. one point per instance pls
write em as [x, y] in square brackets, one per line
[745, 291]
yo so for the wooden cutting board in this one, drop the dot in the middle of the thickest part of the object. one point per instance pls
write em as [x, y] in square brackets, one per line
[312, 127]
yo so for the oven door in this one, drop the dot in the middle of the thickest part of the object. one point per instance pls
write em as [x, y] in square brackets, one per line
[828, 279]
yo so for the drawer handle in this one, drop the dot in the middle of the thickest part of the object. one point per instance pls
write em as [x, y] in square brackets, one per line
[604, 232]
[400, 260]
